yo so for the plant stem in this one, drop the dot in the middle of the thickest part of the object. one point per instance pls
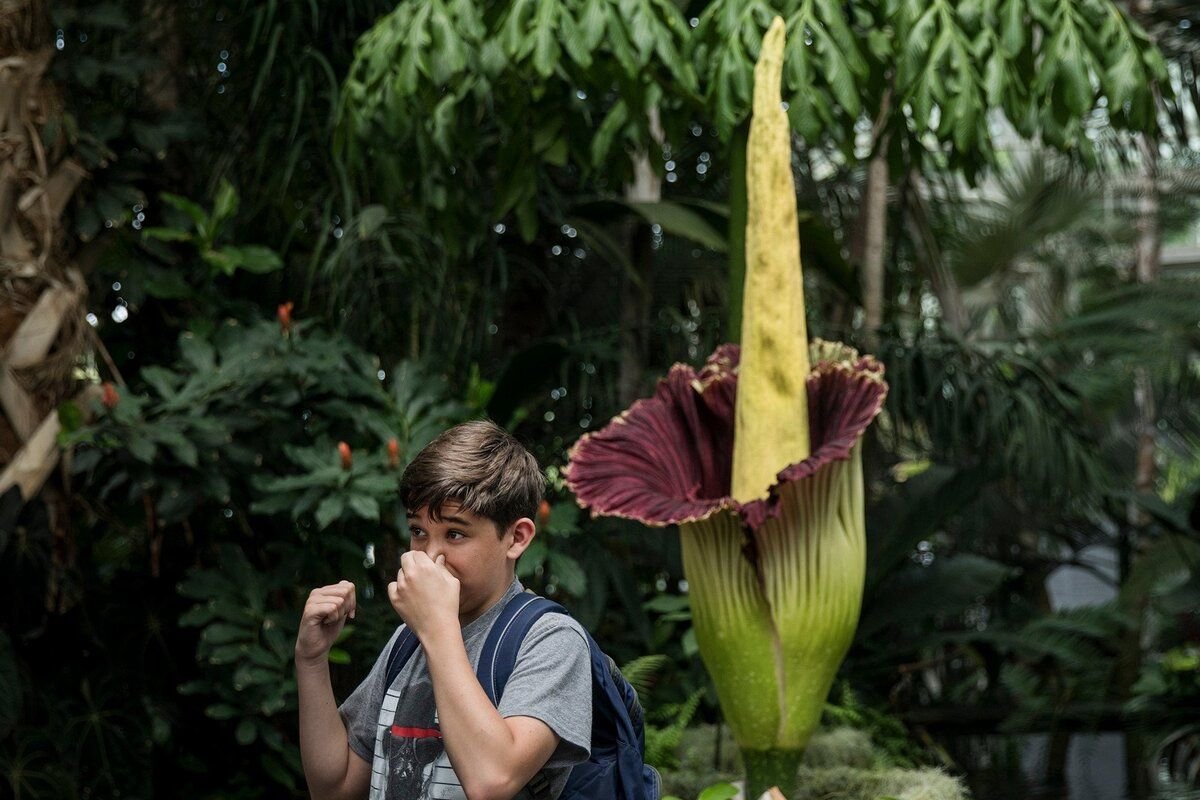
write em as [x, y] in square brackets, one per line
[767, 768]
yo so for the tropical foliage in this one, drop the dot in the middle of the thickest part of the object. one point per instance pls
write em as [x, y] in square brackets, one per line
[255, 254]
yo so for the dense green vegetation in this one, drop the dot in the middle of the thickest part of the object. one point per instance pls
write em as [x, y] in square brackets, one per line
[312, 235]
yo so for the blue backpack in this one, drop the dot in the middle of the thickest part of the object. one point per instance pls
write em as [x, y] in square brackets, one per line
[615, 769]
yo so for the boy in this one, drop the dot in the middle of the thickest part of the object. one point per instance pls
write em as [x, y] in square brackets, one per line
[471, 496]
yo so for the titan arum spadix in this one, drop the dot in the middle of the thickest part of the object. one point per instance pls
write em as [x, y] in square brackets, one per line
[756, 457]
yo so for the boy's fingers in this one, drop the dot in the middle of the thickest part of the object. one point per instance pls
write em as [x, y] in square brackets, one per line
[323, 612]
[441, 559]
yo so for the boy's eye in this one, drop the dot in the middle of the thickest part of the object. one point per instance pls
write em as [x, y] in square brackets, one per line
[416, 532]
[456, 535]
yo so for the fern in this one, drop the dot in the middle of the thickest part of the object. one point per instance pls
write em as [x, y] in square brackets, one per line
[642, 671]
[662, 743]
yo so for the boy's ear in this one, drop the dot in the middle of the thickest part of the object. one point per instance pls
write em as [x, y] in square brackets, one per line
[523, 531]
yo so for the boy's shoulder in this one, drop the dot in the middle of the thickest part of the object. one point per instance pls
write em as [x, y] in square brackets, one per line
[553, 639]
[554, 622]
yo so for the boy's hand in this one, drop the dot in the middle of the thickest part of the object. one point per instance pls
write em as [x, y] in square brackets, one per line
[324, 617]
[425, 594]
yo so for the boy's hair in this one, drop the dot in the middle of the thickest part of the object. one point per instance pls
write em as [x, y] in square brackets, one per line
[479, 466]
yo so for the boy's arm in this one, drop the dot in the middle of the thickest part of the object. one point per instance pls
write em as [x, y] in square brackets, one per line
[492, 756]
[331, 768]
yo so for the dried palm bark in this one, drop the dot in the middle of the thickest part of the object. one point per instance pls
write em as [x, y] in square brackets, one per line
[42, 335]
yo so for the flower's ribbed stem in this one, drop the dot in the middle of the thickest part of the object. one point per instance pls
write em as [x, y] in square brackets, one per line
[812, 563]
[733, 628]
[767, 768]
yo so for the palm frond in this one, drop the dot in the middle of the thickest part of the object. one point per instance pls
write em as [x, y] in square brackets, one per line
[994, 406]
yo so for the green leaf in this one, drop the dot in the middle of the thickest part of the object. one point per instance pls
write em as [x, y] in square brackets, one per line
[197, 616]
[364, 506]
[719, 791]
[180, 446]
[161, 379]
[527, 219]
[247, 731]
[546, 51]
[533, 557]
[680, 220]
[613, 122]
[70, 418]
[223, 633]
[221, 711]
[689, 644]
[370, 219]
[667, 603]
[1013, 27]
[257, 258]
[166, 284]
[568, 573]
[251, 258]
[273, 504]
[141, 448]
[198, 353]
[224, 207]
[330, 509]
[194, 211]
[168, 234]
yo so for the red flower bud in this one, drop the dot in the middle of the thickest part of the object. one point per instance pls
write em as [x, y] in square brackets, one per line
[284, 312]
[393, 453]
[344, 452]
[110, 398]
[543, 513]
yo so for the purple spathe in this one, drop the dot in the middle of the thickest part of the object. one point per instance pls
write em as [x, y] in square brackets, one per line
[668, 458]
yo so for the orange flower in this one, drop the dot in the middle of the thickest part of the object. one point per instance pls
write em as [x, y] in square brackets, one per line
[344, 452]
[284, 312]
[543, 514]
[110, 398]
[393, 448]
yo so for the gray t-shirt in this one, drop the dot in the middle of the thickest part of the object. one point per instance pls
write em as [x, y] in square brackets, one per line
[396, 728]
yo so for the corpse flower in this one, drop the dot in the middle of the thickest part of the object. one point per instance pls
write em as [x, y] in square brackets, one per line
[757, 458]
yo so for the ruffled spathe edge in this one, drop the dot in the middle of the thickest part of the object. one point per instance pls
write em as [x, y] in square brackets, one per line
[667, 459]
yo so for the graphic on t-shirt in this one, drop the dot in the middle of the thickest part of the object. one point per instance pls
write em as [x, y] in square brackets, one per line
[413, 754]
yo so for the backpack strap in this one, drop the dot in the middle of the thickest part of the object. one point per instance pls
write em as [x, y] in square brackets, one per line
[406, 644]
[499, 654]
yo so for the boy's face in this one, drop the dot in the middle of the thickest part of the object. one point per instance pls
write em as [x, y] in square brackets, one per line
[482, 560]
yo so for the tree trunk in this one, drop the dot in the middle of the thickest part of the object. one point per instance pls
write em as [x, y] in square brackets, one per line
[41, 327]
[873, 226]
[1147, 265]
[636, 289]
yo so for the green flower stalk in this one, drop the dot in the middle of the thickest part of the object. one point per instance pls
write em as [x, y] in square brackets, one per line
[756, 457]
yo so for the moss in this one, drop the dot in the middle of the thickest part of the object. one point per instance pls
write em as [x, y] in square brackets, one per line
[851, 783]
[841, 747]
[839, 764]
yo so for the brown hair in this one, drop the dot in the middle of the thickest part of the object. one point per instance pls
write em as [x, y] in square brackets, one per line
[479, 466]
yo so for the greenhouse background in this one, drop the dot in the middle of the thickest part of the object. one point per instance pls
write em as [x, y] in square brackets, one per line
[255, 255]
